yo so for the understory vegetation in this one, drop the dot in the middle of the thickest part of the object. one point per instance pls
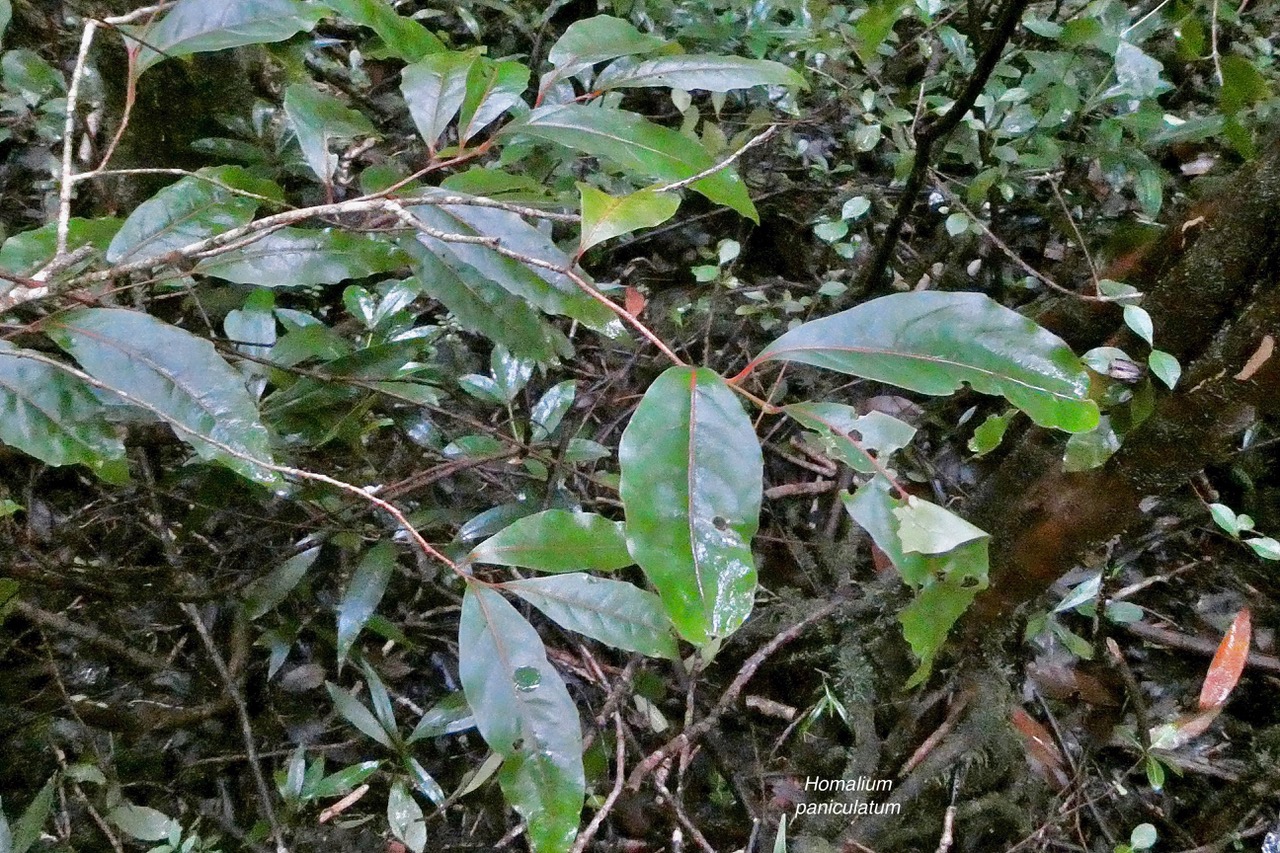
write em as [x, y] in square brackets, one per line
[636, 425]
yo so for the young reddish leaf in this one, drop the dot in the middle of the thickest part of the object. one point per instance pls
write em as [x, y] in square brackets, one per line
[1042, 753]
[1228, 663]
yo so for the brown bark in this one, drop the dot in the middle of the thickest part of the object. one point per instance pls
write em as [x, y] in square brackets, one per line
[1212, 309]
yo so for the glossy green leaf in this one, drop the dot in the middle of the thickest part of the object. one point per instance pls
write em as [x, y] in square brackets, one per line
[363, 594]
[946, 583]
[449, 716]
[179, 378]
[551, 408]
[598, 39]
[355, 713]
[1137, 74]
[405, 818]
[267, 592]
[198, 26]
[857, 440]
[525, 714]
[557, 540]
[404, 37]
[1086, 450]
[547, 289]
[934, 343]
[690, 72]
[26, 73]
[186, 211]
[26, 253]
[319, 119]
[481, 306]
[605, 216]
[424, 782]
[616, 613]
[55, 417]
[434, 87]
[301, 257]
[492, 89]
[27, 828]
[691, 487]
[636, 145]
[141, 822]
[346, 780]
[1165, 366]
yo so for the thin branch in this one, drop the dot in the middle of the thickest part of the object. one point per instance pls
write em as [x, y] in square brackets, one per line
[722, 165]
[68, 137]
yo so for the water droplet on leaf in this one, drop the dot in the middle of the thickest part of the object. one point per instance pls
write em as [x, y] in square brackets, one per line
[526, 678]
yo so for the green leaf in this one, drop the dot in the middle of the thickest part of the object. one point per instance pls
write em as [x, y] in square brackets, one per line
[1139, 321]
[55, 417]
[1242, 84]
[636, 145]
[319, 119]
[187, 211]
[1265, 547]
[1143, 836]
[434, 87]
[266, 593]
[492, 89]
[1087, 450]
[691, 487]
[605, 217]
[547, 289]
[450, 715]
[6, 14]
[927, 528]
[178, 377]
[27, 73]
[851, 437]
[26, 253]
[874, 27]
[598, 39]
[1149, 190]
[946, 583]
[616, 613]
[363, 594]
[198, 26]
[405, 818]
[26, 829]
[1225, 517]
[525, 714]
[957, 223]
[934, 342]
[690, 72]
[345, 781]
[557, 540]
[990, 433]
[1165, 367]
[404, 37]
[355, 713]
[300, 257]
[141, 822]
[551, 409]
[1137, 74]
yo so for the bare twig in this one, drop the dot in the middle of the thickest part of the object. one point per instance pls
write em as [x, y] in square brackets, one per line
[68, 136]
[56, 622]
[720, 166]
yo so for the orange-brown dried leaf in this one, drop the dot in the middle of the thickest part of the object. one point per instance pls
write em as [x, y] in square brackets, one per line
[1042, 753]
[1228, 663]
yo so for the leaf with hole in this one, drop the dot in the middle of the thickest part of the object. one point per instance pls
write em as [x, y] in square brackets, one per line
[691, 485]
[605, 216]
[557, 540]
[525, 714]
[637, 146]
[174, 376]
[860, 441]
[616, 613]
[935, 343]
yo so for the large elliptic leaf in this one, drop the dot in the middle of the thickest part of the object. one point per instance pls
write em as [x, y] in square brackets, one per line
[598, 39]
[636, 145]
[691, 486]
[318, 119]
[551, 291]
[481, 306]
[860, 441]
[940, 555]
[176, 376]
[689, 72]
[525, 714]
[934, 343]
[614, 612]
[25, 253]
[197, 26]
[434, 88]
[557, 540]
[188, 210]
[605, 216]
[363, 594]
[55, 417]
[404, 37]
[492, 89]
[301, 257]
